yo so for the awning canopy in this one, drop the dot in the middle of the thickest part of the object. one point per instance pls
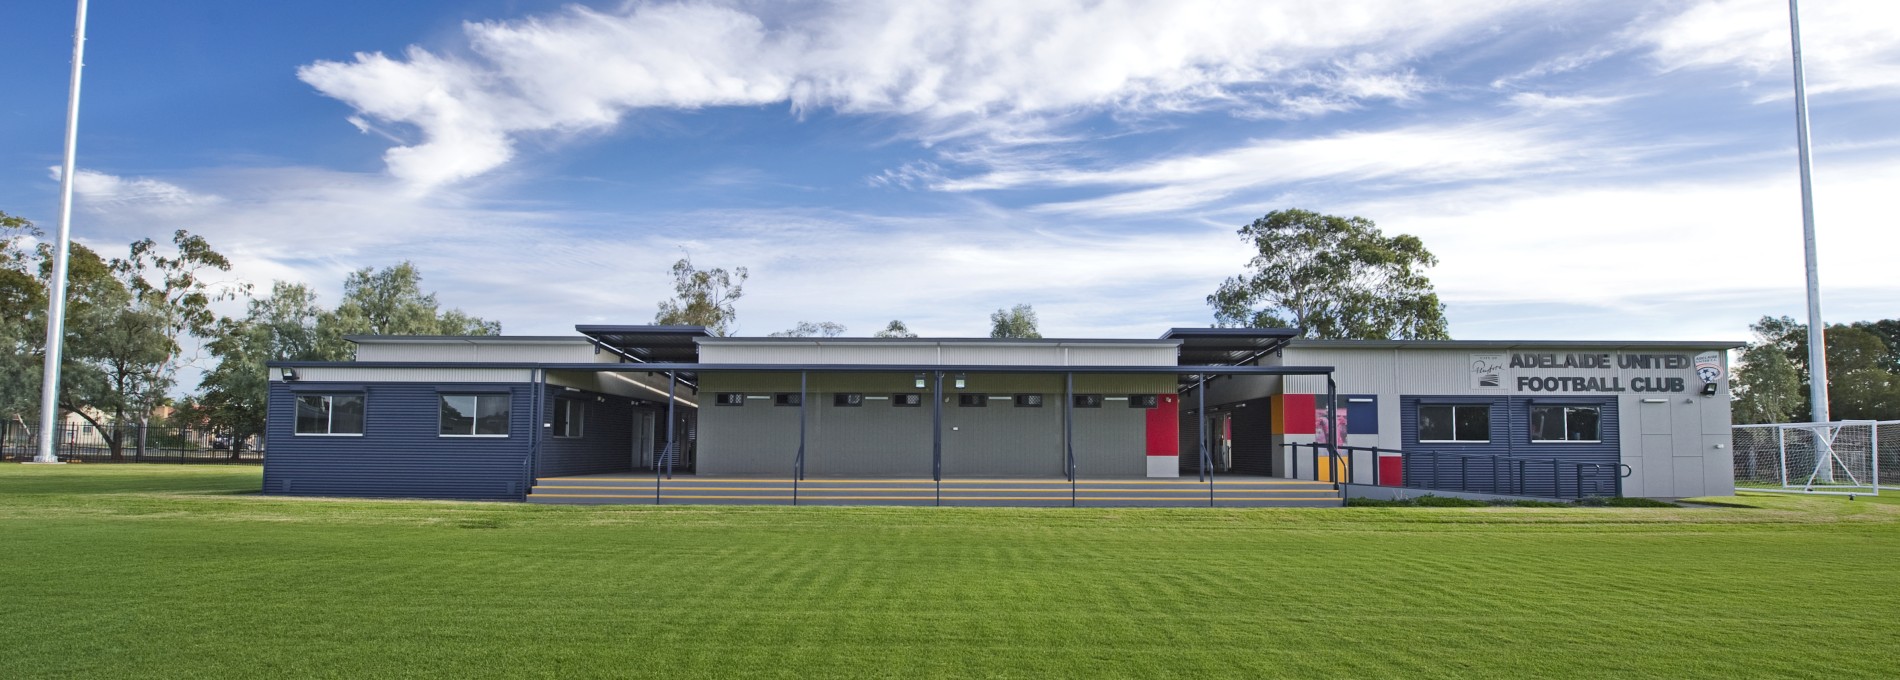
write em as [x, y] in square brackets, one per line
[1228, 346]
[649, 344]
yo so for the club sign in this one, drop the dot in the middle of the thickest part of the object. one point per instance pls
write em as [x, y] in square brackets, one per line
[1600, 372]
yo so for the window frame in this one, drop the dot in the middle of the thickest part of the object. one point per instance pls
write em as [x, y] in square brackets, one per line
[1086, 401]
[898, 399]
[846, 399]
[973, 400]
[1144, 401]
[1024, 400]
[1420, 433]
[1530, 422]
[729, 399]
[475, 424]
[569, 408]
[788, 399]
[329, 414]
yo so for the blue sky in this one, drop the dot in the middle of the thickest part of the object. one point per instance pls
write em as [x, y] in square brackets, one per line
[1589, 170]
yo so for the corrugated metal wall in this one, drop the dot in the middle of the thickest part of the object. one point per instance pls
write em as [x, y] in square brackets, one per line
[400, 453]
[606, 441]
[1510, 436]
[879, 439]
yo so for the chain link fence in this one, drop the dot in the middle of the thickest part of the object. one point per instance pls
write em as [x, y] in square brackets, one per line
[131, 444]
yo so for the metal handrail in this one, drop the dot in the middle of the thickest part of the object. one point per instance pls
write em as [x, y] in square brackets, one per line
[1507, 474]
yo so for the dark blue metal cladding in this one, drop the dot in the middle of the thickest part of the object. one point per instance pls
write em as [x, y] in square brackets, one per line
[606, 441]
[400, 453]
[1511, 436]
[1362, 413]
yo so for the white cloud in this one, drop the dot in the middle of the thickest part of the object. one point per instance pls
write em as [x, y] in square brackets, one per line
[1705, 254]
[101, 189]
[1422, 154]
[954, 68]
[1538, 102]
[1848, 45]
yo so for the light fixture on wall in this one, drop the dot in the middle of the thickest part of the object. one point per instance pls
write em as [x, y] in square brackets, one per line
[1708, 389]
[920, 381]
[960, 381]
[290, 374]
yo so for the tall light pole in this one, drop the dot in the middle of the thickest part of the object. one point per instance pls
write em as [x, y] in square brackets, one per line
[56, 291]
[1817, 345]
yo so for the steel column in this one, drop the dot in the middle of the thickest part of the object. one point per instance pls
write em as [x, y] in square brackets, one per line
[1207, 458]
[798, 466]
[936, 436]
[56, 284]
[1332, 435]
[1817, 343]
[1068, 431]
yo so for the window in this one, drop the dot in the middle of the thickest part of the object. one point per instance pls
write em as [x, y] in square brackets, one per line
[729, 399]
[788, 399]
[1029, 401]
[907, 399]
[973, 400]
[1144, 401]
[1459, 423]
[568, 414]
[330, 414]
[474, 415]
[847, 399]
[1088, 401]
[1566, 424]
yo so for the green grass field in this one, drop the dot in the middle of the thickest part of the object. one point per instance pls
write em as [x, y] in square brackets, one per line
[155, 571]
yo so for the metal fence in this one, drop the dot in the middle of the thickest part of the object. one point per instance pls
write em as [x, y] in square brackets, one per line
[133, 443]
[1842, 457]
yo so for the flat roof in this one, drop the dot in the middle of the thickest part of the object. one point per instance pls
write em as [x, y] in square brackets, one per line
[475, 339]
[1515, 344]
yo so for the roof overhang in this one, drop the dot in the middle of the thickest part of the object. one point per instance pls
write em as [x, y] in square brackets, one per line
[649, 344]
[1229, 346]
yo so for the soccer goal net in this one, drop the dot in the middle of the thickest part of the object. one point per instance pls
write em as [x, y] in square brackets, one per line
[1847, 457]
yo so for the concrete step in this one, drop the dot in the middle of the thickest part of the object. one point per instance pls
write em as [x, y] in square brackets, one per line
[1241, 492]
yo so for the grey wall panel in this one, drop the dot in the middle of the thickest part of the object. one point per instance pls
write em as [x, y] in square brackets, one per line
[578, 350]
[606, 441]
[1110, 441]
[400, 453]
[1002, 440]
[879, 439]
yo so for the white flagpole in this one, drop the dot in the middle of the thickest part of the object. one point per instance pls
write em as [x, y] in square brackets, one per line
[56, 292]
[1817, 344]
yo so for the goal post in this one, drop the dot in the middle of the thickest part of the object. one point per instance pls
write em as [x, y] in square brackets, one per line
[1842, 457]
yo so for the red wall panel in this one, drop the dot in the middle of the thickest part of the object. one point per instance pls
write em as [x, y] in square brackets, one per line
[1164, 427]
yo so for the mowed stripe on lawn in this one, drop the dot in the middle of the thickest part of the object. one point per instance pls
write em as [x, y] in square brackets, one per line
[167, 571]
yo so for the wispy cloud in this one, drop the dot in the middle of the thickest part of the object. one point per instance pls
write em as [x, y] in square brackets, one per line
[1849, 45]
[1420, 154]
[101, 189]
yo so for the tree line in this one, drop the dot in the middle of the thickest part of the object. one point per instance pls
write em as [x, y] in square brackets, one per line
[135, 322]
[1863, 372]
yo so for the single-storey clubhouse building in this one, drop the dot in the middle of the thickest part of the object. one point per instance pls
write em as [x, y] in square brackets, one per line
[1199, 416]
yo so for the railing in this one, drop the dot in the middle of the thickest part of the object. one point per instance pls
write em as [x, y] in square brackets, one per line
[1463, 472]
[131, 444]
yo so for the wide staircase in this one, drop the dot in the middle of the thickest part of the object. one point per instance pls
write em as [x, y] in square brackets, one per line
[1225, 491]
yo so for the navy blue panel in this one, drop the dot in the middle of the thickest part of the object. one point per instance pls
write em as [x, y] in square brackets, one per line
[399, 453]
[1510, 437]
[606, 441]
[1362, 417]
